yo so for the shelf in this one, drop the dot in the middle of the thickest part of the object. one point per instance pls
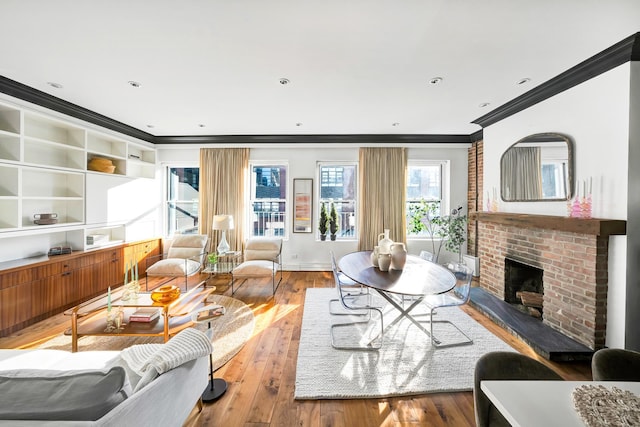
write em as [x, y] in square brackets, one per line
[9, 147]
[9, 120]
[46, 183]
[8, 214]
[49, 154]
[119, 163]
[45, 129]
[9, 181]
[105, 146]
[69, 211]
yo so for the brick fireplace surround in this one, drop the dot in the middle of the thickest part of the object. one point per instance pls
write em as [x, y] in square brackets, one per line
[574, 256]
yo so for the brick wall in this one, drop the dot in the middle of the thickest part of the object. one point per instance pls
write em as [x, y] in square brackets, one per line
[575, 274]
[474, 192]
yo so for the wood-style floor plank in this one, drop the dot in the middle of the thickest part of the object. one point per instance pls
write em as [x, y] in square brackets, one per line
[261, 377]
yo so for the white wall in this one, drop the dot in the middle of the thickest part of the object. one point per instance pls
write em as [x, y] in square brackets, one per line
[302, 251]
[595, 114]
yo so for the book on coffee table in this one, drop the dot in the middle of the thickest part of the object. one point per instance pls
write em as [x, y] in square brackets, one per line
[144, 315]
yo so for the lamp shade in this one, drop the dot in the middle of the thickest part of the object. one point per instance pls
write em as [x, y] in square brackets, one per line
[222, 222]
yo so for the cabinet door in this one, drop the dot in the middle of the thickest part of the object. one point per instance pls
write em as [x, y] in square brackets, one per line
[15, 306]
[142, 252]
[46, 295]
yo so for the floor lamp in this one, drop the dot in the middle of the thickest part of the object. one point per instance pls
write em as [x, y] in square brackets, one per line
[223, 223]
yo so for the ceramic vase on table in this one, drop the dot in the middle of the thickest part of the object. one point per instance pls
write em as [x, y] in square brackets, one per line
[384, 242]
[398, 256]
[384, 261]
[374, 256]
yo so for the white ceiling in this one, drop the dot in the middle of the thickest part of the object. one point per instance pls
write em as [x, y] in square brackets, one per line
[355, 66]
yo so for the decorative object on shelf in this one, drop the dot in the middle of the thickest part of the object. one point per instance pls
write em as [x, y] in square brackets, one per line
[59, 250]
[45, 218]
[374, 256]
[131, 287]
[323, 222]
[223, 223]
[101, 164]
[144, 315]
[165, 294]
[384, 261]
[333, 221]
[398, 256]
[384, 242]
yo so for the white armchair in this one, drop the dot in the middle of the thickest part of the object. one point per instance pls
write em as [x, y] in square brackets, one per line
[184, 258]
[261, 258]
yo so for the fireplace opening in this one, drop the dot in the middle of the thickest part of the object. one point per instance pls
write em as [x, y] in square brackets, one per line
[523, 287]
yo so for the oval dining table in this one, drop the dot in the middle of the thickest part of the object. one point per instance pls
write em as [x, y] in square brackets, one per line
[416, 280]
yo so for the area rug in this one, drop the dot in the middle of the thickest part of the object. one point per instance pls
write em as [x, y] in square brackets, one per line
[230, 333]
[406, 364]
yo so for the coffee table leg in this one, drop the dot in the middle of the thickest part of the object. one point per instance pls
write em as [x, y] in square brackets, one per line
[74, 331]
[166, 323]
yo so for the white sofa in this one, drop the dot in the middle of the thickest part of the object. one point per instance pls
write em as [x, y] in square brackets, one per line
[83, 383]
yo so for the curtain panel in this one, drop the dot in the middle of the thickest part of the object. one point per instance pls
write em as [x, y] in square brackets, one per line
[524, 165]
[223, 173]
[383, 183]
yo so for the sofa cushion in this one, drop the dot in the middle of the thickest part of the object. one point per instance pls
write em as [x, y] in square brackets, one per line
[81, 395]
[256, 268]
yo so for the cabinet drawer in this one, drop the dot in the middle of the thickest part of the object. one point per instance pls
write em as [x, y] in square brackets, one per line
[8, 280]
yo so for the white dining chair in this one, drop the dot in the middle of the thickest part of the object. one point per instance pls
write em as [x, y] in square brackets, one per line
[458, 296]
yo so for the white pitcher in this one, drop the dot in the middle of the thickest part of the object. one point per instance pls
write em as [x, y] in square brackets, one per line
[398, 256]
[384, 261]
[384, 242]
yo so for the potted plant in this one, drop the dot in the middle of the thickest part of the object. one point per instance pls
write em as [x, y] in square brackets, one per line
[322, 224]
[333, 222]
[448, 230]
[213, 258]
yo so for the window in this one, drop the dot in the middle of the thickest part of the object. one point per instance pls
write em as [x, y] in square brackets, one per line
[183, 195]
[338, 186]
[268, 200]
[425, 184]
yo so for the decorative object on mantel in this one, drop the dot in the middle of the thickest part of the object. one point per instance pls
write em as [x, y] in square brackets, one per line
[598, 405]
[492, 203]
[580, 207]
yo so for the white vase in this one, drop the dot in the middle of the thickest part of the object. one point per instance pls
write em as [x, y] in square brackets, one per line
[398, 256]
[384, 242]
[384, 261]
[374, 256]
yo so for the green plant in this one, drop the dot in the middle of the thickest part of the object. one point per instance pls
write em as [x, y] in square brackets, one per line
[446, 231]
[213, 258]
[333, 220]
[324, 220]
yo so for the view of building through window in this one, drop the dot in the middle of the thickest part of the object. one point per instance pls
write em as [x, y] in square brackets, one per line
[338, 186]
[268, 204]
[424, 183]
[183, 195]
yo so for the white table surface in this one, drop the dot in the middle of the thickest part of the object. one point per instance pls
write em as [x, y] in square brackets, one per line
[542, 403]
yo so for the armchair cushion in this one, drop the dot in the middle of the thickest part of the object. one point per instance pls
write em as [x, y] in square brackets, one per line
[61, 395]
[174, 267]
[262, 249]
[256, 268]
[187, 246]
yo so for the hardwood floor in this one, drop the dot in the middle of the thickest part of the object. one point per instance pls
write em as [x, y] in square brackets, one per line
[261, 378]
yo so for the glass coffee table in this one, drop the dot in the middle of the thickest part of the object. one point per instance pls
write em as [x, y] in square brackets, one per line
[90, 317]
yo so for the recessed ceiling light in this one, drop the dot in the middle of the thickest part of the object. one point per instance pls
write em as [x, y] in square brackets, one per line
[134, 83]
[395, 124]
[484, 104]
[200, 125]
[150, 126]
[55, 85]
[523, 81]
[436, 80]
[299, 124]
[284, 81]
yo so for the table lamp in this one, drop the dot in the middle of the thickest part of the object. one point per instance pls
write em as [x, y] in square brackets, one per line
[224, 223]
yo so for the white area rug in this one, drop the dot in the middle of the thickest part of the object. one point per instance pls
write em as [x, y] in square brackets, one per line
[406, 364]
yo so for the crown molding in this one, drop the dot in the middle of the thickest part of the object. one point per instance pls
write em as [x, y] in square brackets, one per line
[362, 139]
[621, 52]
[35, 96]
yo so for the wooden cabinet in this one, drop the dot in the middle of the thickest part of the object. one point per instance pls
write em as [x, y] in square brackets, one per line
[32, 292]
[142, 252]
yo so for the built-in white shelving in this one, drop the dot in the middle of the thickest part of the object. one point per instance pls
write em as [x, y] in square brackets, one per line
[44, 168]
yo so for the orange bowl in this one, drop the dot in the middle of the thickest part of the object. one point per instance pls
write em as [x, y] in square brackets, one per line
[165, 294]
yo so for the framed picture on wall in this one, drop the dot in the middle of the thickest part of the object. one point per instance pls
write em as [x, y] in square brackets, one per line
[302, 205]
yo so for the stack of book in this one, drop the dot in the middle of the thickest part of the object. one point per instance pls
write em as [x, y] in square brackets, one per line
[144, 315]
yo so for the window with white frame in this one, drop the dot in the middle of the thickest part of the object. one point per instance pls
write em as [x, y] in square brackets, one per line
[183, 196]
[426, 194]
[268, 200]
[338, 186]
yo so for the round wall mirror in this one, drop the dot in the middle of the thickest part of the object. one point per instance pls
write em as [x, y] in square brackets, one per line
[537, 168]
